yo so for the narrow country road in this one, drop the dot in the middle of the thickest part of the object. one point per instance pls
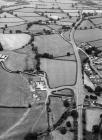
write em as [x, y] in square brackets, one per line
[79, 93]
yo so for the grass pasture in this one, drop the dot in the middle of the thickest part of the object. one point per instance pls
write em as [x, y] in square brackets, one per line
[14, 90]
[38, 28]
[97, 20]
[72, 19]
[53, 44]
[55, 27]
[96, 43]
[59, 73]
[10, 20]
[60, 15]
[9, 116]
[21, 27]
[30, 16]
[86, 24]
[92, 118]
[87, 35]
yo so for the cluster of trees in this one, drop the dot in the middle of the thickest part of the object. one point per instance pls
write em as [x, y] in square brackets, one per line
[93, 51]
[88, 14]
[45, 55]
[48, 32]
[66, 27]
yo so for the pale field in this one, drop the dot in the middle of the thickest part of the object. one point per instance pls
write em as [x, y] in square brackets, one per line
[14, 41]
[92, 118]
[59, 73]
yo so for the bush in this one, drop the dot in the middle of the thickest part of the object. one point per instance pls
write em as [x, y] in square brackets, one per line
[63, 130]
[74, 114]
[31, 136]
[89, 89]
[66, 103]
[95, 129]
[68, 124]
[98, 90]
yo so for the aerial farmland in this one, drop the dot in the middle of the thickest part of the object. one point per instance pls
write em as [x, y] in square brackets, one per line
[50, 70]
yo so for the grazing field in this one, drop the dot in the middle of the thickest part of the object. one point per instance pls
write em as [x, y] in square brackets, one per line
[9, 116]
[60, 15]
[29, 123]
[86, 24]
[30, 16]
[66, 34]
[14, 41]
[96, 43]
[64, 23]
[71, 19]
[66, 92]
[38, 28]
[21, 27]
[19, 61]
[17, 91]
[31, 10]
[55, 27]
[92, 118]
[87, 35]
[9, 19]
[59, 73]
[97, 20]
[53, 44]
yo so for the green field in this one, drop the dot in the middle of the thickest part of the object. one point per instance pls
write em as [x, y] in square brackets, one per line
[35, 28]
[87, 35]
[59, 73]
[53, 44]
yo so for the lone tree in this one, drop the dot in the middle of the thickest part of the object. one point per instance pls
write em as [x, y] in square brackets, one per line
[68, 124]
[63, 130]
[66, 103]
